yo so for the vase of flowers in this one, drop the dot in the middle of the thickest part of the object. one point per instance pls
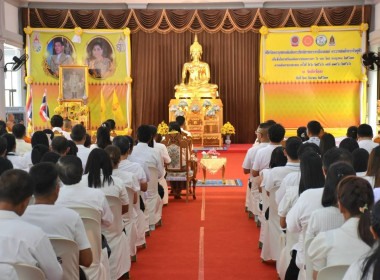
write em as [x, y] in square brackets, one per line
[213, 153]
[227, 130]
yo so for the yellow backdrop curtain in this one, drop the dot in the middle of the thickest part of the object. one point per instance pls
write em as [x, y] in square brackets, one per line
[160, 44]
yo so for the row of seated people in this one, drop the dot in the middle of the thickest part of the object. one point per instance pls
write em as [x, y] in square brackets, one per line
[313, 200]
[113, 176]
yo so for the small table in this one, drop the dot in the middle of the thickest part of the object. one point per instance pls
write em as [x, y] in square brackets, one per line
[213, 165]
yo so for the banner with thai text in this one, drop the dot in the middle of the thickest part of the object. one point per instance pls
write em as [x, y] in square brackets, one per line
[313, 74]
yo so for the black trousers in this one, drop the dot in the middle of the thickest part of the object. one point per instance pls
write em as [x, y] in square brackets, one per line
[293, 270]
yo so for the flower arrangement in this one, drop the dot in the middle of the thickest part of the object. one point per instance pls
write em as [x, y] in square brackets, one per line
[207, 103]
[179, 113]
[163, 128]
[59, 110]
[227, 128]
[83, 111]
[173, 108]
[182, 104]
[195, 108]
[213, 153]
[210, 113]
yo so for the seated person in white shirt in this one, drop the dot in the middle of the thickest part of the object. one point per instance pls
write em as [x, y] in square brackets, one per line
[146, 154]
[132, 143]
[123, 144]
[75, 192]
[52, 157]
[5, 164]
[329, 217]
[360, 158]
[19, 131]
[60, 145]
[56, 122]
[352, 132]
[21, 242]
[79, 136]
[181, 122]
[327, 142]
[161, 148]
[368, 267]
[313, 131]
[302, 133]
[373, 170]
[365, 135]
[17, 161]
[349, 144]
[54, 220]
[345, 245]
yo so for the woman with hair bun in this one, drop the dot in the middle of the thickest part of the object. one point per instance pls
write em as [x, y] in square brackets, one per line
[345, 245]
[368, 268]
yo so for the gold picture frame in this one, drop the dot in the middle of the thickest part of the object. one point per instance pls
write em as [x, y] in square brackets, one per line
[73, 83]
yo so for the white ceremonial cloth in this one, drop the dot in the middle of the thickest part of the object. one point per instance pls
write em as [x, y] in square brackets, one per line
[355, 271]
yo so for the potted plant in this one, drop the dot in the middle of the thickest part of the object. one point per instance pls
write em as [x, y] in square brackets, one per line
[227, 130]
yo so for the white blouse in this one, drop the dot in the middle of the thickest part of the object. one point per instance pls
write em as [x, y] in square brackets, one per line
[355, 271]
[290, 198]
[341, 246]
[324, 219]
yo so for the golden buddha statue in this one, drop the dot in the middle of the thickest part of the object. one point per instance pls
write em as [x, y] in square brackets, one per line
[198, 85]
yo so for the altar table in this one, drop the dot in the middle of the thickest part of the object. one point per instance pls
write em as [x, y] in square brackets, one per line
[213, 165]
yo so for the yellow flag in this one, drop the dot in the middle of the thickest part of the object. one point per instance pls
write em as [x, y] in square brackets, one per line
[102, 108]
[116, 108]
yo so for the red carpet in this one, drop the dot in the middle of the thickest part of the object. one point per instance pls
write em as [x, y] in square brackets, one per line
[230, 238]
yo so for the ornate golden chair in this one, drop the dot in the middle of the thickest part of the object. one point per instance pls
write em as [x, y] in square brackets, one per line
[182, 167]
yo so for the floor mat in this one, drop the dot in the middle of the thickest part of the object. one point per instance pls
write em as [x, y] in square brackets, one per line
[218, 183]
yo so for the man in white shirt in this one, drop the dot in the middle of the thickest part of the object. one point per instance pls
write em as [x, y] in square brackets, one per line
[365, 135]
[146, 154]
[19, 130]
[21, 242]
[181, 122]
[78, 135]
[54, 220]
[313, 130]
[276, 135]
[360, 161]
[60, 145]
[252, 190]
[277, 174]
[127, 165]
[56, 122]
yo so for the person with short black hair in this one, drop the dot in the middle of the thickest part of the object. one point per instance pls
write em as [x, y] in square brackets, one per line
[19, 131]
[17, 161]
[21, 241]
[142, 152]
[75, 192]
[313, 130]
[360, 161]
[51, 157]
[174, 127]
[50, 134]
[87, 143]
[181, 122]
[3, 127]
[60, 145]
[365, 135]
[350, 144]
[345, 245]
[5, 164]
[276, 134]
[56, 122]
[352, 132]
[79, 136]
[112, 124]
[55, 220]
[67, 126]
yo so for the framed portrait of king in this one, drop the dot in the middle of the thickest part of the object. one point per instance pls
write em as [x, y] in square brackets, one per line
[73, 82]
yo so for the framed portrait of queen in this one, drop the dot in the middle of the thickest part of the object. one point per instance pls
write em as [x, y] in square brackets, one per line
[100, 58]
